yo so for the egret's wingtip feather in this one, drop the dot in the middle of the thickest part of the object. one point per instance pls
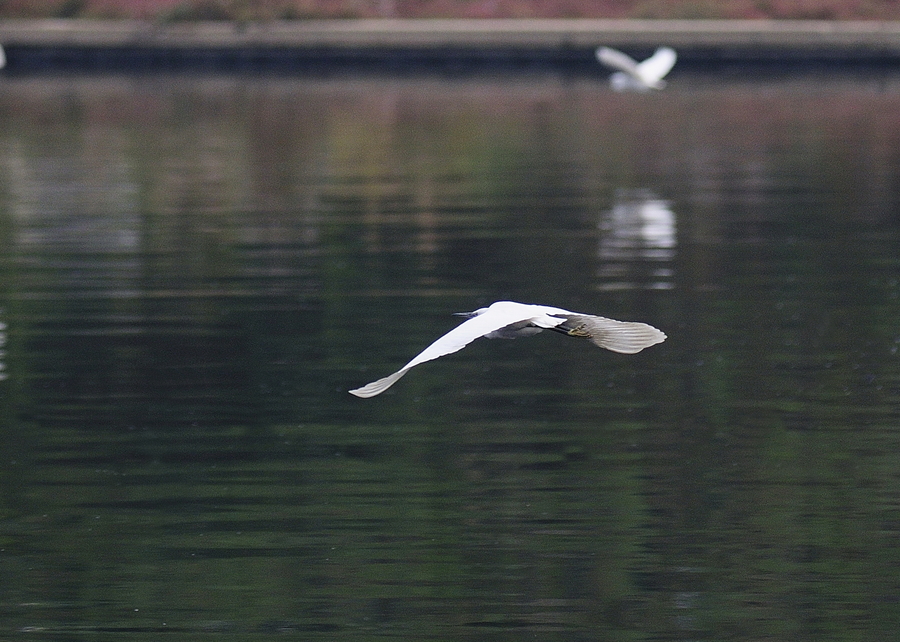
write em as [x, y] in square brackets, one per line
[629, 338]
[377, 387]
[624, 337]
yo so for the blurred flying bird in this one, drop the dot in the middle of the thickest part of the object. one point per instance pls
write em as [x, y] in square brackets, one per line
[639, 76]
[510, 320]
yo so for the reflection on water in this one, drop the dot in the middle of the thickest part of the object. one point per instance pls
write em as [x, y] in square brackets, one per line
[197, 269]
[637, 233]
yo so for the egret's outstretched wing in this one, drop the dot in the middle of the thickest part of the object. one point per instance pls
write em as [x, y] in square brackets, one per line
[455, 340]
[617, 60]
[654, 69]
[627, 337]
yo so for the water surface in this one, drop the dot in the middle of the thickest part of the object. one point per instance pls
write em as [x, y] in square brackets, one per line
[196, 269]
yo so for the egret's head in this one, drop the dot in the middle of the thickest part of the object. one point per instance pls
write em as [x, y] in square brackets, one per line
[469, 315]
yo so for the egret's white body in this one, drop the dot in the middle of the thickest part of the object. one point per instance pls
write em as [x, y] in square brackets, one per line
[509, 320]
[639, 76]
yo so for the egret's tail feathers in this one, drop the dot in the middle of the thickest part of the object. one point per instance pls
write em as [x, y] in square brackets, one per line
[377, 387]
[627, 337]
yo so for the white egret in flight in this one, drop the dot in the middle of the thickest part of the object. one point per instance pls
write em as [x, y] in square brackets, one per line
[640, 76]
[509, 320]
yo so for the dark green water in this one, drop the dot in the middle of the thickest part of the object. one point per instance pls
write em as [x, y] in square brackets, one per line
[196, 269]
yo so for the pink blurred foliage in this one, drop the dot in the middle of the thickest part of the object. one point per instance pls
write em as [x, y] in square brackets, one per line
[310, 9]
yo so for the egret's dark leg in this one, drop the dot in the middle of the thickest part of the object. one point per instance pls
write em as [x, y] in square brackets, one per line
[572, 329]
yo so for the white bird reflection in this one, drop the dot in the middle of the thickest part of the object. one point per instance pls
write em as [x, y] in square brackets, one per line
[510, 320]
[634, 75]
[637, 242]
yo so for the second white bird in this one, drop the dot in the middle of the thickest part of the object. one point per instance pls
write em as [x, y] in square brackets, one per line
[634, 75]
